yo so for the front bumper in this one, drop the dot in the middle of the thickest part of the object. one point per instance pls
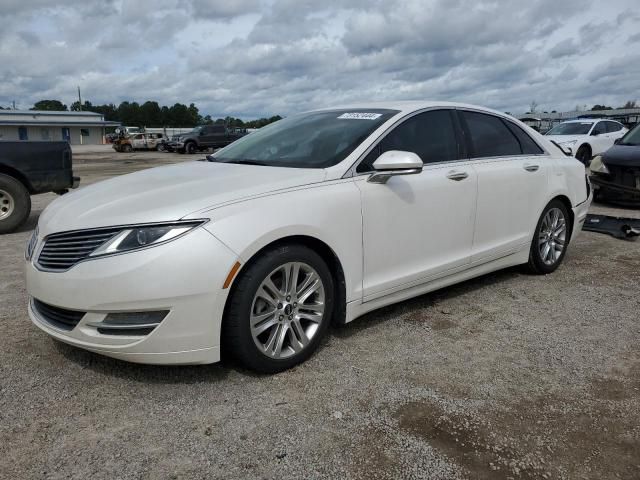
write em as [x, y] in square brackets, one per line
[184, 276]
[614, 191]
[580, 215]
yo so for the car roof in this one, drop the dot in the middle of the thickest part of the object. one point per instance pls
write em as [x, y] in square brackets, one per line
[585, 120]
[410, 106]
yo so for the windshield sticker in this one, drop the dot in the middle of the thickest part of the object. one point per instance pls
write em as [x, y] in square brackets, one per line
[360, 116]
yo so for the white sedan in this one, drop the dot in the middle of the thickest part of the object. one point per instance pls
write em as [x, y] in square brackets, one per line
[587, 137]
[317, 218]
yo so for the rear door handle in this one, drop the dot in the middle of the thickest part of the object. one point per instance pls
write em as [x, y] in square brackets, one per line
[457, 176]
[531, 168]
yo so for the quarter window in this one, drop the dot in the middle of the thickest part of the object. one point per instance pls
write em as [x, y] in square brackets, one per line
[430, 135]
[527, 145]
[490, 136]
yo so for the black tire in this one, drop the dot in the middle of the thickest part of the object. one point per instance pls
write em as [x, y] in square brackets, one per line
[536, 264]
[584, 154]
[237, 340]
[15, 204]
[160, 148]
[190, 148]
[127, 148]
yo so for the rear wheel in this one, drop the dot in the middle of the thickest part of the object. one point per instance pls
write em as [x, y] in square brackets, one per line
[190, 148]
[550, 240]
[584, 154]
[15, 204]
[126, 148]
[279, 309]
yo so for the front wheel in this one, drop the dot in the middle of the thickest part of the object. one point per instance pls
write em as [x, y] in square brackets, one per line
[15, 204]
[279, 309]
[190, 148]
[550, 240]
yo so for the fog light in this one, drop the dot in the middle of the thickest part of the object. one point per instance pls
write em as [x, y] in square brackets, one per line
[130, 323]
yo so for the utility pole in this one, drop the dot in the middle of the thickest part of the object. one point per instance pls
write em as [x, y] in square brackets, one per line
[14, 104]
[79, 100]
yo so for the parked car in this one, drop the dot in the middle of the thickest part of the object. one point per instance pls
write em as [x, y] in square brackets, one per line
[29, 168]
[139, 141]
[615, 174]
[205, 137]
[318, 217]
[587, 137]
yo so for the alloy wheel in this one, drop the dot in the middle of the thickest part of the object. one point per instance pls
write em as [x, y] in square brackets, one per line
[7, 204]
[552, 236]
[287, 310]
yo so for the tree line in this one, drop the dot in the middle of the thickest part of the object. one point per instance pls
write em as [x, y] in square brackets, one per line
[151, 114]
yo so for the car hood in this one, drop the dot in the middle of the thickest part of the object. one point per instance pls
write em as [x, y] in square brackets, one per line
[622, 155]
[167, 194]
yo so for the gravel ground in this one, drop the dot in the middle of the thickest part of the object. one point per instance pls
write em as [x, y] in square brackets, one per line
[505, 376]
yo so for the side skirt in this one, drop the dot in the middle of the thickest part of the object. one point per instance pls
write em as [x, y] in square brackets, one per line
[357, 308]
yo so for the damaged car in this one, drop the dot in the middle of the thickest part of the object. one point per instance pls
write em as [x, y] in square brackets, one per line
[615, 175]
[586, 137]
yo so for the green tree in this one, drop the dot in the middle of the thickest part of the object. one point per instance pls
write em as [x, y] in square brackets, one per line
[50, 105]
[151, 114]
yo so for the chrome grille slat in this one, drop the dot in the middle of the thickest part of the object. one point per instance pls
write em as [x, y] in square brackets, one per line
[62, 251]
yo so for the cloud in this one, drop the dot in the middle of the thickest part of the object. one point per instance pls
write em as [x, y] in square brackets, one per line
[262, 57]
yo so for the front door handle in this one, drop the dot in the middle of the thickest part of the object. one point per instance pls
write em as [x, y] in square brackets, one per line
[457, 176]
[531, 168]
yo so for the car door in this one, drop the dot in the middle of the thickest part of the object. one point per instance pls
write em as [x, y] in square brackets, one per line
[599, 138]
[417, 227]
[615, 130]
[512, 177]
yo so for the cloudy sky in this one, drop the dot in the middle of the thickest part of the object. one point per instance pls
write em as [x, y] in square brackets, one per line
[251, 58]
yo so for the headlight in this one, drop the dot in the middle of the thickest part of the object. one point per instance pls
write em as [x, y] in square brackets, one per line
[31, 245]
[597, 165]
[568, 142]
[135, 238]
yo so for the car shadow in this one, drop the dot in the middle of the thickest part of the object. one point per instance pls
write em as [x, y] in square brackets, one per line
[150, 374]
[385, 314]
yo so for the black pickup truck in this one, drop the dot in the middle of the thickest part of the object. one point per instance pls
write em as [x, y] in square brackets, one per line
[29, 168]
[205, 137]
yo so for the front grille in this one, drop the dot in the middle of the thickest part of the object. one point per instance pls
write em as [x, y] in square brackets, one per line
[626, 176]
[62, 251]
[56, 316]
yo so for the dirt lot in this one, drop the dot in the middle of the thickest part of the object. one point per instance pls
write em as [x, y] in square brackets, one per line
[506, 376]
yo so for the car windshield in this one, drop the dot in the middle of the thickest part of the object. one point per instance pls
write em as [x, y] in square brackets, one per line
[309, 140]
[632, 137]
[573, 128]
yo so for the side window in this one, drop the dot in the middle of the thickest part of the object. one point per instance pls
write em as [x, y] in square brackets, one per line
[599, 129]
[528, 146]
[613, 127]
[490, 136]
[216, 129]
[430, 135]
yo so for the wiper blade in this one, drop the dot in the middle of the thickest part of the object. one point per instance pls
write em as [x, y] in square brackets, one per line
[248, 162]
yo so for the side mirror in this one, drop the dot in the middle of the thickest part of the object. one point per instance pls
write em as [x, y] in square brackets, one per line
[395, 162]
[595, 134]
[617, 141]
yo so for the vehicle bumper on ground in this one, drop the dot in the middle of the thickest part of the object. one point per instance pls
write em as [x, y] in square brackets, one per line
[183, 277]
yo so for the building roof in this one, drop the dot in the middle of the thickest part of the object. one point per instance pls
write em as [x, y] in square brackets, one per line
[48, 118]
[46, 113]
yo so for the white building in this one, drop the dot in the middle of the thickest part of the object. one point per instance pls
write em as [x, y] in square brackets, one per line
[78, 128]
